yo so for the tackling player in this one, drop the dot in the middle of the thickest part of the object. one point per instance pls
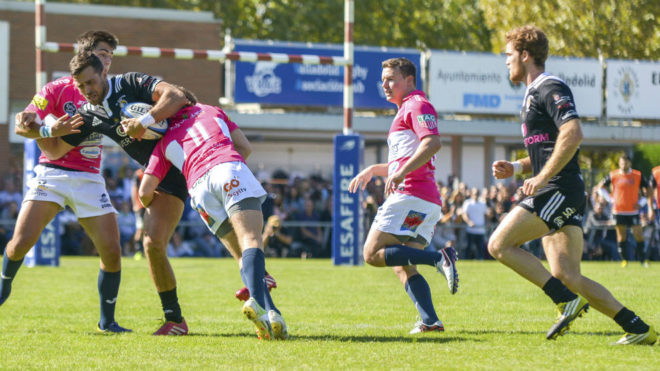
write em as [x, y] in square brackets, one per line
[555, 194]
[404, 224]
[200, 142]
[101, 115]
[72, 180]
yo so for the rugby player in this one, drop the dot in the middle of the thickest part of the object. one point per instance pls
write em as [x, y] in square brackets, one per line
[555, 197]
[200, 142]
[101, 115]
[404, 224]
[72, 180]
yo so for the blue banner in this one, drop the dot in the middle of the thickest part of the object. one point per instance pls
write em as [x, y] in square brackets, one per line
[47, 249]
[314, 85]
[348, 214]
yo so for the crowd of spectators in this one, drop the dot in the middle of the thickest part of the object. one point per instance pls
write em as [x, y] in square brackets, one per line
[298, 216]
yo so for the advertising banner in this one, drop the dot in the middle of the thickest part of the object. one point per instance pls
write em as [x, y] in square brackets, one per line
[479, 83]
[347, 213]
[633, 88]
[313, 85]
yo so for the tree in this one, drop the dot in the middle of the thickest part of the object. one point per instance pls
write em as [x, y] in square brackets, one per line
[627, 29]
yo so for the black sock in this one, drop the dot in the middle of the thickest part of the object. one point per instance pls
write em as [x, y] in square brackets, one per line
[630, 322]
[557, 291]
[640, 251]
[171, 307]
[9, 269]
[621, 248]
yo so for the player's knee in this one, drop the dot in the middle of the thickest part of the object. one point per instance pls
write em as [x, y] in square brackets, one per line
[17, 247]
[111, 257]
[494, 248]
[154, 244]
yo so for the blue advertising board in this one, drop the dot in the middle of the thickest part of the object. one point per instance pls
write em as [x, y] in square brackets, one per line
[314, 85]
[47, 249]
[347, 220]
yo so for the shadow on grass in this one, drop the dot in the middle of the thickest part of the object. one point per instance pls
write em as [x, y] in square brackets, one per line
[428, 338]
[504, 332]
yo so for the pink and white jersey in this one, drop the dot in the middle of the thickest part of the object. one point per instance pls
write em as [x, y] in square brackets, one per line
[61, 97]
[415, 120]
[198, 138]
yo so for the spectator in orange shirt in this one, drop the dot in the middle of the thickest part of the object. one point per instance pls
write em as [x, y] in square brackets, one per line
[626, 183]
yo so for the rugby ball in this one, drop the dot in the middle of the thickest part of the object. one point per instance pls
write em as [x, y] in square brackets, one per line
[137, 109]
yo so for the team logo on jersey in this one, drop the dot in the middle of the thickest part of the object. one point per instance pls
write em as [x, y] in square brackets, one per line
[40, 102]
[427, 121]
[121, 102]
[70, 108]
[413, 220]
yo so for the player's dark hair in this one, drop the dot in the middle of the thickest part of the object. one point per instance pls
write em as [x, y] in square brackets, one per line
[89, 40]
[83, 60]
[192, 98]
[532, 39]
[625, 157]
[405, 66]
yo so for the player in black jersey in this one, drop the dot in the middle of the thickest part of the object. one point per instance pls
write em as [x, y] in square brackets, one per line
[555, 194]
[101, 114]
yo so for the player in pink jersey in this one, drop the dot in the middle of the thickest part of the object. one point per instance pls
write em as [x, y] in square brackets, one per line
[72, 180]
[404, 224]
[226, 194]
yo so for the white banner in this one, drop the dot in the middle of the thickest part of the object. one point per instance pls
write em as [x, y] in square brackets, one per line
[633, 89]
[479, 83]
[4, 72]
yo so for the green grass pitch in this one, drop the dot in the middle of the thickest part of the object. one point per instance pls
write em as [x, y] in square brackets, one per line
[338, 317]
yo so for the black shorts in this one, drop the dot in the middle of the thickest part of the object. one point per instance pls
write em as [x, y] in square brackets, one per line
[174, 183]
[627, 220]
[557, 207]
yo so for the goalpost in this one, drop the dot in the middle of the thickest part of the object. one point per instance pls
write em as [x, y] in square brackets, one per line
[349, 146]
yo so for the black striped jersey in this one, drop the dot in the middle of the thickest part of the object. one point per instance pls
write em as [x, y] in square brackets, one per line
[547, 105]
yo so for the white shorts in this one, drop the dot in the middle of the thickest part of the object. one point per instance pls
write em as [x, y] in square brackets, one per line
[83, 192]
[405, 215]
[220, 188]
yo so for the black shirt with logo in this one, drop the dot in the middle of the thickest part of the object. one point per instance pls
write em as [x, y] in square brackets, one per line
[547, 105]
[105, 118]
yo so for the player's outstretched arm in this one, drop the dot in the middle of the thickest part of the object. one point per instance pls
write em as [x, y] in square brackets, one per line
[147, 188]
[168, 101]
[364, 177]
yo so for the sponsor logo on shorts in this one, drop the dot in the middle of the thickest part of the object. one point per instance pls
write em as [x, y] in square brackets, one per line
[413, 220]
[40, 102]
[559, 221]
[208, 219]
[231, 185]
[105, 201]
